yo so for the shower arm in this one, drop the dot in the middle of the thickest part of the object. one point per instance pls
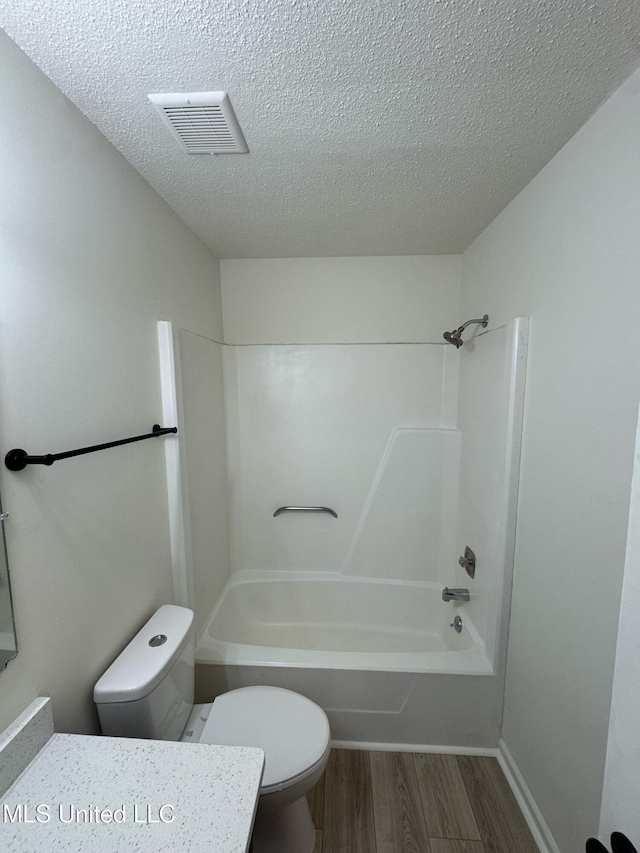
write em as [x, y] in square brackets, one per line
[482, 321]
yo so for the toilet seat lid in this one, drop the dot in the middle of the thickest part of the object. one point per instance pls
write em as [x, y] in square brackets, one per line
[292, 730]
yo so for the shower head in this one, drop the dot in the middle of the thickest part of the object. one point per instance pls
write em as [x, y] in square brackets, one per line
[455, 337]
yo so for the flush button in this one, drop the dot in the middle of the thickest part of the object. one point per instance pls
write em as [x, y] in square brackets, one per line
[158, 640]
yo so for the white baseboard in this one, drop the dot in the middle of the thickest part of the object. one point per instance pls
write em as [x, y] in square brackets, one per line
[413, 747]
[532, 814]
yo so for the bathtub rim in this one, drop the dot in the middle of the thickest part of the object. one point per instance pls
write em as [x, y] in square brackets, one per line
[471, 661]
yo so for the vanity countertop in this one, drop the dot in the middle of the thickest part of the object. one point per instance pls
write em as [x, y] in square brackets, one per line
[111, 795]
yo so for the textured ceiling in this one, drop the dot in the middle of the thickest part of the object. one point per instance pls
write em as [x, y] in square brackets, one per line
[375, 127]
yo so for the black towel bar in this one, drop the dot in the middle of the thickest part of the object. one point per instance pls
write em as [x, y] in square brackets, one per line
[17, 459]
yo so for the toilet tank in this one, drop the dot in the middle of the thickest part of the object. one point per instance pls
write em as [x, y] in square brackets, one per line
[147, 692]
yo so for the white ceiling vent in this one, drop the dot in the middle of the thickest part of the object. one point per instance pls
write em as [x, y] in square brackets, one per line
[201, 122]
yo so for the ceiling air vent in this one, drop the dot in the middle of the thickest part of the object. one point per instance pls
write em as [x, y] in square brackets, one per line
[201, 122]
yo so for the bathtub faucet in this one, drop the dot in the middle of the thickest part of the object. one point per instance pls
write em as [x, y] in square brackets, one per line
[455, 594]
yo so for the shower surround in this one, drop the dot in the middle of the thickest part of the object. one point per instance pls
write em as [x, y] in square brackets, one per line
[415, 446]
[358, 428]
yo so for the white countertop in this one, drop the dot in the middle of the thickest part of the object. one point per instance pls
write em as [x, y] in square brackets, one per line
[209, 794]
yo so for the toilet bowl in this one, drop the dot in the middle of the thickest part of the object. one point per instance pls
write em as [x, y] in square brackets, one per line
[294, 734]
[148, 692]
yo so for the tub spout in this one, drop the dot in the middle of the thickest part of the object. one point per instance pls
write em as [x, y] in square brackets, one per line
[455, 594]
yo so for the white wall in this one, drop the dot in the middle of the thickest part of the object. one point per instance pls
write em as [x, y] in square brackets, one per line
[622, 771]
[91, 258]
[566, 252]
[340, 300]
[316, 423]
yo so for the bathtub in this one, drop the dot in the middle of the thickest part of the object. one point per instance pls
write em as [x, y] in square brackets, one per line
[379, 656]
[338, 622]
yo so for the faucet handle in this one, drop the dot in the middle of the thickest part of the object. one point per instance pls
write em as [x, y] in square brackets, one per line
[468, 562]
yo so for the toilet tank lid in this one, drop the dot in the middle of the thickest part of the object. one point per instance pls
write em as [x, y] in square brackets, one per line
[140, 666]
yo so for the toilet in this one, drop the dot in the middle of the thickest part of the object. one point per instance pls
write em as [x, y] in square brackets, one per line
[148, 692]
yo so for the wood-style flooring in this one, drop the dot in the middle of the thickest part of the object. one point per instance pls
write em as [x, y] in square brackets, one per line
[400, 802]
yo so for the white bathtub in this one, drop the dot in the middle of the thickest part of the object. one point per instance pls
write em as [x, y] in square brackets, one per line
[337, 622]
[379, 656]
